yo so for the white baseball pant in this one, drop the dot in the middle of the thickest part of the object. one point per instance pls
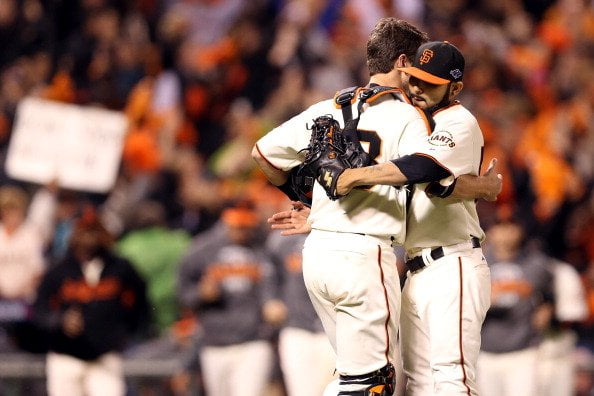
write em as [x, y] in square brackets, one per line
[67, 375]
[241, 369]
[443, 308]
[508, 374]
[307, 361]
[353, 283]
[556, 364]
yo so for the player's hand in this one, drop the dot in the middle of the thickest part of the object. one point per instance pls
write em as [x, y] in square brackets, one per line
[73, 323]
[180, 382]
[208, 289]
[293, 221]
[493, 182]
[541, 319]
[274, 312]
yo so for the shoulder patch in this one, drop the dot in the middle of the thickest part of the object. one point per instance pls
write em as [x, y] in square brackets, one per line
[442, 139]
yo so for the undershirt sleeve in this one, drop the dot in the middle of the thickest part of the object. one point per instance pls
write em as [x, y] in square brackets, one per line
[421, 168]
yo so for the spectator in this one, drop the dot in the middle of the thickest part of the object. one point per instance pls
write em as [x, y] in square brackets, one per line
[521, 309]
[24, 233]
[90, 304]
[306, 356]
[227, 279]
[67, 209]
[155, 251]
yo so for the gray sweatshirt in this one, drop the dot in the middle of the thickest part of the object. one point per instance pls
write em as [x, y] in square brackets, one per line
[246, 278]
[519, 286]
[286, 255]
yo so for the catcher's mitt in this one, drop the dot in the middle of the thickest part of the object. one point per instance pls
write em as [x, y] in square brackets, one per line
[329, 153]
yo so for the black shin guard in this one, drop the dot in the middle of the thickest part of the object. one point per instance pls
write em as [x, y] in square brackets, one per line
[381, 382]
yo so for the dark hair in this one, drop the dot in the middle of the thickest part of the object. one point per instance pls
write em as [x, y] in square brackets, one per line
[390, 38]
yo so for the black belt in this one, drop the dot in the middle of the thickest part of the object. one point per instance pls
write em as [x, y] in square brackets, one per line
[417, 263]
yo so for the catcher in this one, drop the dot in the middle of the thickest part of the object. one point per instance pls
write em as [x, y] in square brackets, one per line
[348, 261]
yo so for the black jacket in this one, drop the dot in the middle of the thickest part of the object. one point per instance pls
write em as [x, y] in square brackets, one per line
[112, 310]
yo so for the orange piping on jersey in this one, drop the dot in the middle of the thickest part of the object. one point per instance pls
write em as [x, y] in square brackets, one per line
[266, 159]
[454, 103]
[464, 377]
[436, 161]
[379, 94]
[424, 117]
[405, 97]
[379, 263]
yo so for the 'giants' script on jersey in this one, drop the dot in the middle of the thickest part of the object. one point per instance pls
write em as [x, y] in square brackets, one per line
[442, 139]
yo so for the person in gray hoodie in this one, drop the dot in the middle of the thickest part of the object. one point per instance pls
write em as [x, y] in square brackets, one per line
[227, 280]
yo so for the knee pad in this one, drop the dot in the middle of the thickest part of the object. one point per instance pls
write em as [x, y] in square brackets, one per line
[381, 382]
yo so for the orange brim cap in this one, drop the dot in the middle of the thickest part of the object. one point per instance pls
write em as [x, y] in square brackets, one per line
[423, 75]
[240, 217]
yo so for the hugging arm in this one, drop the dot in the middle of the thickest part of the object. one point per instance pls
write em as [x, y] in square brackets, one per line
[418, 168]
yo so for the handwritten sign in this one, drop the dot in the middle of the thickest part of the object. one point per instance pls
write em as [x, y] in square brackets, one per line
[79, 146]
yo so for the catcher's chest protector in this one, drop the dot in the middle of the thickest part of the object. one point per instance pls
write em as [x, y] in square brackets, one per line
[348, 96]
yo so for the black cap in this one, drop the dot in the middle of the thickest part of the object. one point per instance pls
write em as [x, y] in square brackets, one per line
[437, 62]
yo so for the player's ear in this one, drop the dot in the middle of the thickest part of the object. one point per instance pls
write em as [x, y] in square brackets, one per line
[402, 61]
[455, 89]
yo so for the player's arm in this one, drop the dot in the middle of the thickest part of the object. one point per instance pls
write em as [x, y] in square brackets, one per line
[414, 168]
[278, 152]
[420, 168]
[276, 176]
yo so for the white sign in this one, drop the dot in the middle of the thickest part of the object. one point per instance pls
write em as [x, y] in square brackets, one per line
[80, 147]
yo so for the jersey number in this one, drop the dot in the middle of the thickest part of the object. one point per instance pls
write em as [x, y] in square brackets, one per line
[371, 142]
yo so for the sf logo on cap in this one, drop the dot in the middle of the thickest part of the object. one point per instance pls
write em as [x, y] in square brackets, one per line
[426, 56]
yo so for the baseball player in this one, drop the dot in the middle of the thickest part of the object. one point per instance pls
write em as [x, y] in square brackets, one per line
[348, 262]
[447, 291]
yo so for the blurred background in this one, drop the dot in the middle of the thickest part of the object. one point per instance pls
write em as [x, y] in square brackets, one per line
[197, 83]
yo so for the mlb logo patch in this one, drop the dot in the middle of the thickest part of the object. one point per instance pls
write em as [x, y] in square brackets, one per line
[456, 73]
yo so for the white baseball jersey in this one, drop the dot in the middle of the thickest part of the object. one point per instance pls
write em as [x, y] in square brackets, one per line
[388, 129]
[445, 303]
[457, 144]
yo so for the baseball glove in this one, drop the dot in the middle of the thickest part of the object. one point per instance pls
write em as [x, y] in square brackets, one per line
[329, 153]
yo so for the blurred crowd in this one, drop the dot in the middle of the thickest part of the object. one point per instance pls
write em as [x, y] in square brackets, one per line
[199, 82]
